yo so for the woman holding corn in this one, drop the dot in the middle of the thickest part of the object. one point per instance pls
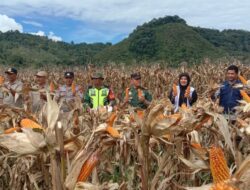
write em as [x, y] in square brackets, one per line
[183, 95]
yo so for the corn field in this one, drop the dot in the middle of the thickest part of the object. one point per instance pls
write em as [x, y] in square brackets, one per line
[196, 148]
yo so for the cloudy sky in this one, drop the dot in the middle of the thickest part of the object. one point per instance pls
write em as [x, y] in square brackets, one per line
[112, 20]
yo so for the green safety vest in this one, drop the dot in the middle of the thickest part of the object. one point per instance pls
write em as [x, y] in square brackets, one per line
[98, 97]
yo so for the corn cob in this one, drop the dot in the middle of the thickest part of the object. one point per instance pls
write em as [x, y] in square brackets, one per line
[187, 92]
[140, 93]
[12, 130]
[127, 94]
[223, 186]
[110, 129]
[88, 167]
[52, 87]
[245, 96]
[196, 145]
[184, 106]
[218, 164]
[174, 89]
[1, 80]
[27, 123]
[243, 80]
[73, 88]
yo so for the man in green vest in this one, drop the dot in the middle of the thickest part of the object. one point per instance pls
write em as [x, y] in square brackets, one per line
[136, 95]
[98, 95]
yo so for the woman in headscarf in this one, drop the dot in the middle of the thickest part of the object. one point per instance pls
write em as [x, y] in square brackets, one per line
[183, 94]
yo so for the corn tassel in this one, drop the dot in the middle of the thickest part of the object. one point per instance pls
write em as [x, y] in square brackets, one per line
[243, 80]
[245, 96]
[218, 165]
[27, 123]
[88, 167]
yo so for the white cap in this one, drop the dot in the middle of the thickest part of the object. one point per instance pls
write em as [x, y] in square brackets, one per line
[42, 74]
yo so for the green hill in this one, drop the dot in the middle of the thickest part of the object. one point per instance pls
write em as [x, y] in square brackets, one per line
[20, 49]
[171, 39]
[167, 39]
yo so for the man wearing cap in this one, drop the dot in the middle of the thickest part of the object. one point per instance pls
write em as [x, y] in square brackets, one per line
[14, 87]
[38, 98]
[98, 95]
[136, 95]
[68, 92]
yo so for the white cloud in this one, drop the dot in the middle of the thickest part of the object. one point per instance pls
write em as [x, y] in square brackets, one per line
[53, 37]
[199, 12]
[122, 16]
[7, 24]
[39, 33]
[33, 23]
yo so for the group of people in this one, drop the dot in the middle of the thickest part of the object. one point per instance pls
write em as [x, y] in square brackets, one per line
[99, 95]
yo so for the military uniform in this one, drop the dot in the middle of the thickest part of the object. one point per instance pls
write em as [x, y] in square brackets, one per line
[133, 96]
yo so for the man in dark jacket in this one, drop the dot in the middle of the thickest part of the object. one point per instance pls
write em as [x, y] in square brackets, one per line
[228, 95]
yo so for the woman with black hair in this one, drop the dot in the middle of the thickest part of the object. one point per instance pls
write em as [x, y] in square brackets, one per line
[183, 93]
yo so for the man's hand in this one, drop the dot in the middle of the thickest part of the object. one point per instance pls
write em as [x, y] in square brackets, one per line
[43, 96]
[142, 99]
[13, 92]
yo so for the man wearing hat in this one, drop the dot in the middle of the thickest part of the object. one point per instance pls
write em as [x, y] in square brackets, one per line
[68, 92]
[98, 95]
[136, 95]
[14, 87]
[38, 98]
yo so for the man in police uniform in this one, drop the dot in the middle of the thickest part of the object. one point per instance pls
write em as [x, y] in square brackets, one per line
[38, 98]
[98, 95]
[136, 95]
[67, 94]
[14, 86]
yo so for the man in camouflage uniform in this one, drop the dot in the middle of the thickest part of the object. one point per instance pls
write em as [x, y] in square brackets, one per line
[67, 94]
[136, 95]
[98, 95]
[14, 87]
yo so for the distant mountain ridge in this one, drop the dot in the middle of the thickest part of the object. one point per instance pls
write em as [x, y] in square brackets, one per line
[167, 39]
